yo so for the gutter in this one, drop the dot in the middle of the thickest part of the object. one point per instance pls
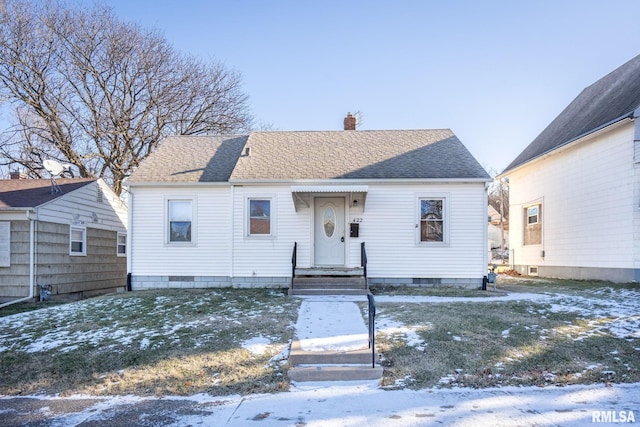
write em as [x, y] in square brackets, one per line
[31, 262]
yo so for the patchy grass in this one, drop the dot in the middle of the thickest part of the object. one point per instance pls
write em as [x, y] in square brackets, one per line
[441, 291]
[22, 307]
[588, 334]
[183, 342]
[150, 343]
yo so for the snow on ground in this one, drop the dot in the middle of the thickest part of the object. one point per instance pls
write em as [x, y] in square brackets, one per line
[365, 404]
[331, 324]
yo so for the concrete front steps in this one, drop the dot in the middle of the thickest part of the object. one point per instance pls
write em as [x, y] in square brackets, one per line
[329, 281]
[331, 366]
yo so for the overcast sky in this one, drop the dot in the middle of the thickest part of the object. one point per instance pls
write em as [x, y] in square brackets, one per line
[495, 72]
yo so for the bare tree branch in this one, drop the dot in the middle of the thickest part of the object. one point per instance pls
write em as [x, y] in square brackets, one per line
[99, 93]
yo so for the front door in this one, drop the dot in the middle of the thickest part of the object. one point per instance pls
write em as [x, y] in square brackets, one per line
[329, 231]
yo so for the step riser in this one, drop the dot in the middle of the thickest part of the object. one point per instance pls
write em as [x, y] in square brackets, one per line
[329, 280]
[338, 373]
[334, 359]
[327, 286]
[326, 292]
[356, 272]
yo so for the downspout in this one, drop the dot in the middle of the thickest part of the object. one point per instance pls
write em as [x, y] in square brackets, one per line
[485, 231]
[31, 263]
[129, 241]
[231, 258]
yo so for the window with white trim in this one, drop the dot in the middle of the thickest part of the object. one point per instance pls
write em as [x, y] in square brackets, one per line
[180, 221]
[259, 221]
[432, 226]
[533, 224]
[121, 244]
[77, 240]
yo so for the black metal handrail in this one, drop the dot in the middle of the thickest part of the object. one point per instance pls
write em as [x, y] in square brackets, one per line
[372, 328]
[294, 262]
[363, 260]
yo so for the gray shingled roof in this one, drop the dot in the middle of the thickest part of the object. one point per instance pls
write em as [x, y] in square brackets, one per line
[30, 193]
[388, 154]
[383, 154]
[191, 159]
[610, 99]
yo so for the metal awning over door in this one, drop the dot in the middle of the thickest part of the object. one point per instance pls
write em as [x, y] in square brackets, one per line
[301, 194]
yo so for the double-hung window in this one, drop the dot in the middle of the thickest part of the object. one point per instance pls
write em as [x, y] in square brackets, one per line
[180, 221]
[77, 240]
[260, 219]
[121, 244]
[432, 225]
[532, 215]
[533, 224]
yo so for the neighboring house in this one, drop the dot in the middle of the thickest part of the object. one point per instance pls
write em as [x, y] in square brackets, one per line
[209, 211]
[575, 190]
[498, 236]
[72, 241]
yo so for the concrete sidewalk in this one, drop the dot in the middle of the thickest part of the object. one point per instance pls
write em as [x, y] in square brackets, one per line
[347, 404]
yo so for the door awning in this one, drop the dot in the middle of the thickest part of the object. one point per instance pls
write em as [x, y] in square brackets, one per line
[356, 194]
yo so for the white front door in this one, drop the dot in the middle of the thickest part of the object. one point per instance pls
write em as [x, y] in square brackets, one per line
[329, 231]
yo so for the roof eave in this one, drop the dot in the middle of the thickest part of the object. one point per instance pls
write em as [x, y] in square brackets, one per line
[340, 181]
[177, 184]
[619, 121]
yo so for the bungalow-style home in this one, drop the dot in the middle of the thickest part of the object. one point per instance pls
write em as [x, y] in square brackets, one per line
[65, 237]
[399, 207]
[575, 190]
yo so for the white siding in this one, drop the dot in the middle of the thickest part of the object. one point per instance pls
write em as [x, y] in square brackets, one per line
[270, 256]
[587, 195]
[83, 207]
[151, 255]
[390, 232]
[223, 247]
[388, 229]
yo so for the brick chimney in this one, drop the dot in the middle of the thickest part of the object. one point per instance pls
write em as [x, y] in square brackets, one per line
[18, 174]
[350, 122]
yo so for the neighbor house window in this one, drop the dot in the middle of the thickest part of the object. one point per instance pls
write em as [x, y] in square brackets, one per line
[260, 217]
[77, 240]
[432, 220]
[532, 215]
[533, 225]
[121, 244]
[180, 215]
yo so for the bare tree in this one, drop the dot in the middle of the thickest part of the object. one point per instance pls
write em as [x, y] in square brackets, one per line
[90, 90]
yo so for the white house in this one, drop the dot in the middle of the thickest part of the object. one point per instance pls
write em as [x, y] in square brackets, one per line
[575, 190]
[70, 238]
[210, 211]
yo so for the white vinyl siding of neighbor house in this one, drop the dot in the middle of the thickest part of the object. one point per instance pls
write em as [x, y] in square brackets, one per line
[209, 255]
[83, 207]
[587, 197]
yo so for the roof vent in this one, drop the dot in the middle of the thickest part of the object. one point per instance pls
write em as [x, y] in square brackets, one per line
[350, 122]
[246, 152]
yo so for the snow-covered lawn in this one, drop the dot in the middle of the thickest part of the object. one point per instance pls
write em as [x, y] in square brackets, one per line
[230, 342]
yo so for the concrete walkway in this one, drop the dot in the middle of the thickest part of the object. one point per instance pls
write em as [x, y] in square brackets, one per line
[331, 342]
